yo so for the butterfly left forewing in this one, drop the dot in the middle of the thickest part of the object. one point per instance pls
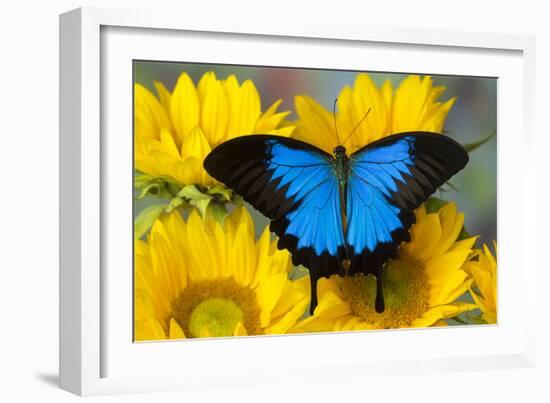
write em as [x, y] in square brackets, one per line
[295, 185]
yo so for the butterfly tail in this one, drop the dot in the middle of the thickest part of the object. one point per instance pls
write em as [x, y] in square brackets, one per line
[313, 282]
[379, 301]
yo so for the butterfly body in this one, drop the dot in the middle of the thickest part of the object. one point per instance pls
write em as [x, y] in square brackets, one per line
[341, 164]
[341, 167]
[338, 213]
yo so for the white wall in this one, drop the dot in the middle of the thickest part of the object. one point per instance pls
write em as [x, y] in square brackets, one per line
[29, 201]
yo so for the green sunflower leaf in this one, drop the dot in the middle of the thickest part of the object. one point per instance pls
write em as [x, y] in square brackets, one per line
[459, 320]
[174, 203]
[218, 212]
[224, 192]
[140, 180]
[196, 198]
[463, 234]
[193, 193]
[146, 218]
[476, 144]
[201, 205]
[159, 186]
[149, 188]
[433, 204]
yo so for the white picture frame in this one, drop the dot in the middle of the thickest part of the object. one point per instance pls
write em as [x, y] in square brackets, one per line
[97, 357]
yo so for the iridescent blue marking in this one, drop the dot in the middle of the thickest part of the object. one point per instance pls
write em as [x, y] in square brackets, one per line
[311, 181]
[374, 174]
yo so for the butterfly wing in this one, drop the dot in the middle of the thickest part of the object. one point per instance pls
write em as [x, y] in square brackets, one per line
[389, 179]
[295, 185]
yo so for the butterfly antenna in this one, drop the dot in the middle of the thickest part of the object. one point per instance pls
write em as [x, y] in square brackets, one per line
[334, 115]
[356, 126]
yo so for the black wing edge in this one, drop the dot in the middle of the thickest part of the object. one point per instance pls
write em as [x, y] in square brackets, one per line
[241, 164]
[437, 158]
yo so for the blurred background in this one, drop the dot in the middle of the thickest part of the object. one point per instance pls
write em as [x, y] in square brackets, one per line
[473, 117]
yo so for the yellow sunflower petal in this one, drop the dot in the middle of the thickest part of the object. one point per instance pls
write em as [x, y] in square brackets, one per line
[149, 330]
[189, 272]
[197, 119]
[271, 119]
[215, 113]
[367, 96]
[315, 124]
[175, 330]
[387, 95]
[200, 250]
[413, 106]
[449, 292]
[240, 330]
[263, 247]
[186, 171]
[184, 107]
[489, 256]
[164, 95]
[404, 99]
[244, 103]
[149, 114]
[291, 307]
[244, 256]
[331, 305]
[483, 272]
[446, 265]
[207, 81]
[167, 145]
[269, 293]
[467, 243]
[294, 292]
[196, 147]
[451, 225]
[250, 108]
[425, 236]
[410, 104]
[442, 312]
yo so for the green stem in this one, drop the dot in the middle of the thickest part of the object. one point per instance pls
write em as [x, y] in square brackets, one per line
[476, 144]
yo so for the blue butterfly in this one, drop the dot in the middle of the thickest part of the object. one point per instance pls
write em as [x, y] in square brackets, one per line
[338, 214]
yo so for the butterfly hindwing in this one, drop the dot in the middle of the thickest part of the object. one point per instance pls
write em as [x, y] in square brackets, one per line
[294, 184]
[388, 179]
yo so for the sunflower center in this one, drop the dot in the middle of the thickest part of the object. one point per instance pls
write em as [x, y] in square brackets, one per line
[215, 317]
[215, 308]
[406, 293]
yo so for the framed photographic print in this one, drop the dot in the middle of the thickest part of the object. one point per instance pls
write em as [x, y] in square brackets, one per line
[233, 198]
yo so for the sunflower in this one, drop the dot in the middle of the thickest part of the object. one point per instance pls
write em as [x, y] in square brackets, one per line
[484, 272]
[202, 279]
[421, 285]
[412, 106]
[175, 131]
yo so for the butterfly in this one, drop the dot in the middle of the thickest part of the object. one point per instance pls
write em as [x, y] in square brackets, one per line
[338, 214]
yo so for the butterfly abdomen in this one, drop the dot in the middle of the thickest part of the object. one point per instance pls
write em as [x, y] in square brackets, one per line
[342, 168]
